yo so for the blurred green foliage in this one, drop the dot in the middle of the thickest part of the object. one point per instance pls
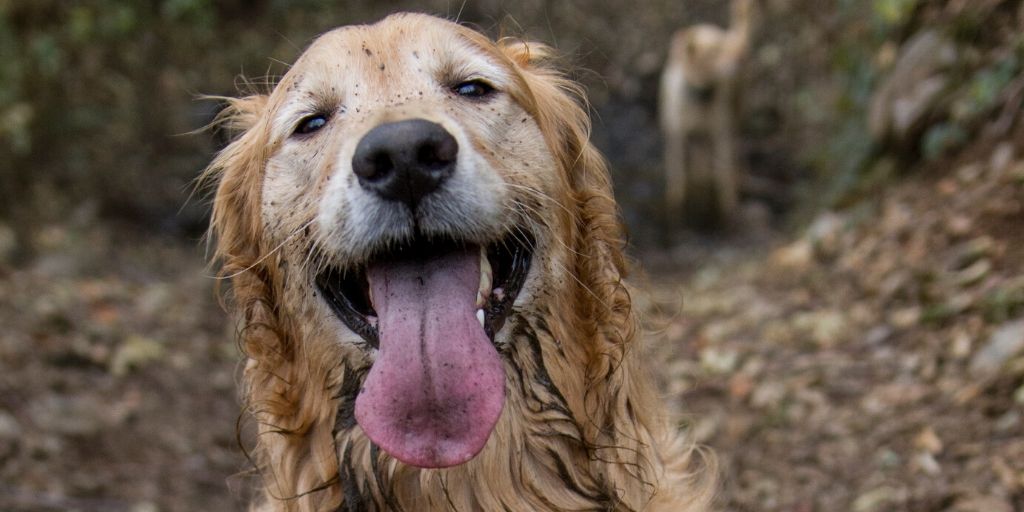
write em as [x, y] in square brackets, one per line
[982, 90]
[97, 97]
[988, 38]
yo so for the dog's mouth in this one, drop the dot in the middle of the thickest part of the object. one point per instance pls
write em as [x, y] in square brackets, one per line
[432, 308]
[503, 268]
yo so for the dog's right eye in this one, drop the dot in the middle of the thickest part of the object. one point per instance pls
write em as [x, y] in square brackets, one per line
[311, 124]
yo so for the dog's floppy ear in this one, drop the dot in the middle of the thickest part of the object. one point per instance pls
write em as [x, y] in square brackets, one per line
[237, 170]
[556, 103]
[239, 114]
[558, 106]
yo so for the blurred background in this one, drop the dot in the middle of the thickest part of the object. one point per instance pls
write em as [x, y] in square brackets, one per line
[856, 342]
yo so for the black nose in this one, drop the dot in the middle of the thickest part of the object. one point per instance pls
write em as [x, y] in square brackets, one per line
[406, 160]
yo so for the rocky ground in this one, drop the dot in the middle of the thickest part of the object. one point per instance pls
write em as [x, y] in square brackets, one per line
[117, 386]
[874, 363]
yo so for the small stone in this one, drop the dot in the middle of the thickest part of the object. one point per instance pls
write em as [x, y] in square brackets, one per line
[824, 233]
[974, 273]
[969, 173]
[982, 504]
[740, 386]
[1001, 157]
[888, 459]
[145, 506]
[886, 397]
[135, 352]
[878, 334]
[719, 361]
[1006, 342]
[947, 187]
[768, 395]
[963, 255]
[926, 463]
[905, 318]
[960, 347]
[1008, 422]
[825, 328]
[959, 225]
[10, 429]
[795, 256]
[928, 441]
[155, 299]
[875, 499]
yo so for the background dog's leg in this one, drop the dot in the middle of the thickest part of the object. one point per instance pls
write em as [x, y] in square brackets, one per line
[671, 111]
[725, 171]
[675, 181]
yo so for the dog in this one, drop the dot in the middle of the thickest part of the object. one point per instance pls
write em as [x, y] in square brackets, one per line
[696, 113]
[426, 263]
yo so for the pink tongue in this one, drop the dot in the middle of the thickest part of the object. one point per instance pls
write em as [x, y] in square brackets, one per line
[437, 387]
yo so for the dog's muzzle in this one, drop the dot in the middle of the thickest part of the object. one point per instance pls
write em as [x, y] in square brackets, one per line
[431, 304]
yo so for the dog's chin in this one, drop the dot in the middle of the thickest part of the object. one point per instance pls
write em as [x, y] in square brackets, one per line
[432, 307]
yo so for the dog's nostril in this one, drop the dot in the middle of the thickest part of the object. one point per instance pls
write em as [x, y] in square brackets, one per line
[381, 166]
[436, 154]
[427, 155]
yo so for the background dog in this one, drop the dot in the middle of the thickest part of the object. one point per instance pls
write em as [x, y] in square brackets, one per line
[696, 112]
[426, 260]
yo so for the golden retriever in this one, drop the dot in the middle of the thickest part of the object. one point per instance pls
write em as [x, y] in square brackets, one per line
[426, 262]
[697, 114]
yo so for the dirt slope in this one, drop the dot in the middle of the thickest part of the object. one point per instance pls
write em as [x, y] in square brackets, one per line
[876, 362]
[117, 389]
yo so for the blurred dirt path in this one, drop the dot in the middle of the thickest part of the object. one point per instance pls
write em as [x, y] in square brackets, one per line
[875, 363]
[117, 390]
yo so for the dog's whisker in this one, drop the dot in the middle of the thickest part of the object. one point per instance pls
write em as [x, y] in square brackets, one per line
[572, 274]
[528, 209]
[314, 256]
[539, 194]
[263, 258]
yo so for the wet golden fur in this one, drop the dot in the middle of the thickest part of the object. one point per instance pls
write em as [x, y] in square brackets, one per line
[581, 429]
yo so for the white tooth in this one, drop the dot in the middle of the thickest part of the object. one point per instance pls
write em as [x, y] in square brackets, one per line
[480, 316]
[485, 279]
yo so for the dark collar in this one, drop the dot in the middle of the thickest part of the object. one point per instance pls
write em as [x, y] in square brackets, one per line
[700, 94]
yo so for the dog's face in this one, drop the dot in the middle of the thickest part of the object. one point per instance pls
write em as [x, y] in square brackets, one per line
[408, 191]
[704, 54]
[426, 260]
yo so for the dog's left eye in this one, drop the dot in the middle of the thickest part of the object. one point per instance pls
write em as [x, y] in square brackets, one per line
[311, 124]
[473, 88]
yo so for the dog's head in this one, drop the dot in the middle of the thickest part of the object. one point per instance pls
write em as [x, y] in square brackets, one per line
[406, 194]
[705, 53]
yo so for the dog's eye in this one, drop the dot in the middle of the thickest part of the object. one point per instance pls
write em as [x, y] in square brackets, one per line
[473, 89]
[311, 124]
